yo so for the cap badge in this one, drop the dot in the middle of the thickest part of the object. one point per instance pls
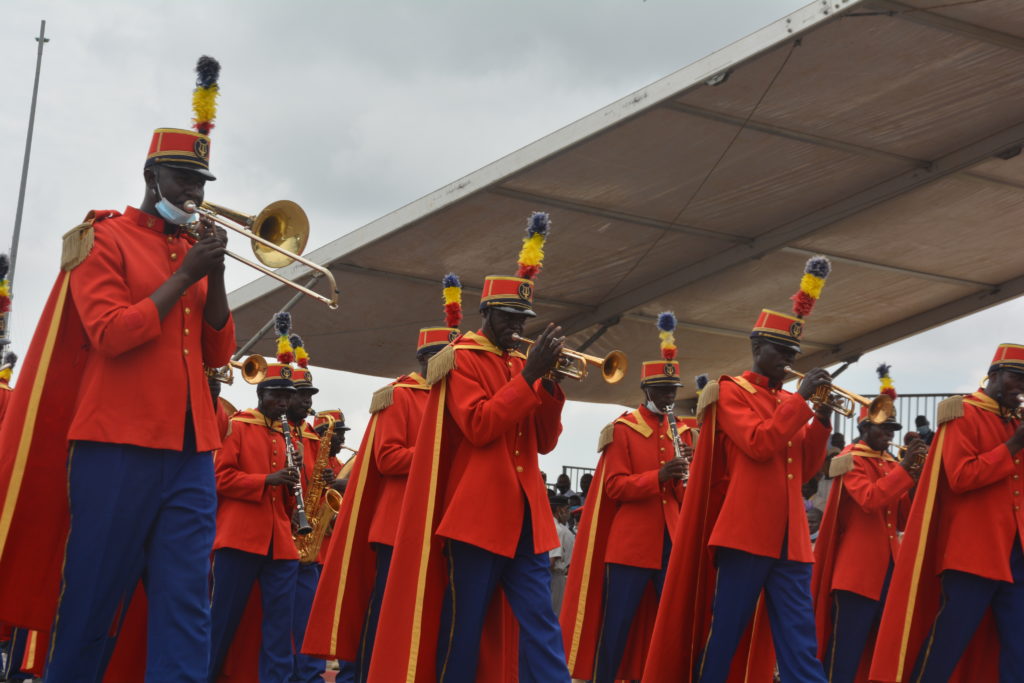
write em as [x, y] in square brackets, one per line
[286, 372]
[797, 328]
[525, 291]
[669, 369]
[202, 148]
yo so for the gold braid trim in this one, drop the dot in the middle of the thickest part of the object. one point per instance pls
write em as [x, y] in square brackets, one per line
[382, 398]
[606, 437]
[949, 409]
[77, 243]
[440, 364]
[707, 397]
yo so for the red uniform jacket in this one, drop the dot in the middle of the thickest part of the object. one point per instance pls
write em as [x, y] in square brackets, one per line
[771, 450]
[5, 397]
[866, 509]
[393, 447]
[756, 449]
[128, 341]
[474, 469]
[965, 516]
[252, 516]
[624, 522]
[338, 614]
[98, 330]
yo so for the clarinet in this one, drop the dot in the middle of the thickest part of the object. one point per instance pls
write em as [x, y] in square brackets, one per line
[677, 443]
[300, 506]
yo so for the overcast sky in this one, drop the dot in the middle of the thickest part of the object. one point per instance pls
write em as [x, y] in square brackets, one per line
[353, 109]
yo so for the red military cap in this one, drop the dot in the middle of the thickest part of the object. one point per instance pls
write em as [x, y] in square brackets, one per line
[190, 149]
[664, 372]
[279, 376]
[515, 294]
[325, 416]
[1008, 357]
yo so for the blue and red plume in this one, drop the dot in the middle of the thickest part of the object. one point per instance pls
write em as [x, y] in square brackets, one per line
[452, 294]
[283, 326]
[5, 286]
[531, 256]
[667, 326]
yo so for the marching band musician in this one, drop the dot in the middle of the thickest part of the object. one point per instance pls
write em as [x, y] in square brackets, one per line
[743, 530]
[623, 540]
[347, 606]
[489, 413]
[254, 529]
[306, 669]
[857, 546]
[955, 609]
[138, 309]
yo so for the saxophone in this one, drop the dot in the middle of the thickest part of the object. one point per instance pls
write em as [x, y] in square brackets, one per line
[324, 502]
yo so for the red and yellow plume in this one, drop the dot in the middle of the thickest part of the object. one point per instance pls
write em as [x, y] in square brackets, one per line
[5, 285]
[204, 97]
[301, 357]
[452, 300]
[283, 325]
[811, 284]
[531, 256]
[886, 380]
[667, 327]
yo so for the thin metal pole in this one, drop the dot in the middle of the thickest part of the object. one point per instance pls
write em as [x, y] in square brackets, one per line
[244, 348]
[41, 39]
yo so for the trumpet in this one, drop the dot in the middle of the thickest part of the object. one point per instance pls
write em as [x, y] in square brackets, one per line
[574, 363]
[918, 463]
[278, 234]
[880, 408]
[253, 370]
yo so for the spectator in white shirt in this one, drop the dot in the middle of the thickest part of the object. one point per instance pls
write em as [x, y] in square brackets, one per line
[562, 555]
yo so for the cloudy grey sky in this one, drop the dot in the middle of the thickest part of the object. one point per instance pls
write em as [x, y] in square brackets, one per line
[354, 109]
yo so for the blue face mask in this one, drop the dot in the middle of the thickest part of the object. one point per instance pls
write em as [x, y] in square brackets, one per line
[171, 213]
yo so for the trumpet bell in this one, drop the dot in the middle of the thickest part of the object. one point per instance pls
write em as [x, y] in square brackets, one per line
[253, 369]
[614, 367]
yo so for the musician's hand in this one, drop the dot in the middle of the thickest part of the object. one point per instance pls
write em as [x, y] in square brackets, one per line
[672, 469]
[913, 459]
[299, 452]
[206, 257]
[544, 353]
[687, 453]
[1016, 442]
[328, 476]
[812, 380]
[289, 476]
[824, 413]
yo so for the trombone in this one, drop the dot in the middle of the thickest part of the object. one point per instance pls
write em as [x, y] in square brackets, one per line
[880, 408]
[574, 363]
[278, 234]
[253, 370]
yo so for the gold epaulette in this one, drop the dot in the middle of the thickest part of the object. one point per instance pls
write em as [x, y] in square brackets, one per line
[840, 465]
[707, 397]
[606, 436]
[77, 243]
[949, 409]
[382, 398]
[440, 364]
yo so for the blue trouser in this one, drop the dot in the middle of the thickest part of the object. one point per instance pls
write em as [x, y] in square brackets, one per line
[787, 587]
[136, 511]
[305, 669]
[362, 663]
[15, 654]
[853, 618]
[474, 575]
[234, 573]
[624, 587]
[965, 599]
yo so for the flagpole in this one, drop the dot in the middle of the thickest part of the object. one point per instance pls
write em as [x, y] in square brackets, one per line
[41, 39]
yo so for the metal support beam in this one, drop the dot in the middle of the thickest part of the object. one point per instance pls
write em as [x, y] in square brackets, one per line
[916, 324]
[666, 282]
[944, 279]
[791, 134]
[568, 205]
[924, 17]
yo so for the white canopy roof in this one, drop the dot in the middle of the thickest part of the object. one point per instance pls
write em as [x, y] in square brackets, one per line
[884, 135]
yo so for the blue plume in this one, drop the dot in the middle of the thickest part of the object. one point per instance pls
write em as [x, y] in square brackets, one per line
[283, 323]
[207, 72]
[883, 370]
[702, 381]
[10, 358]
[818, 265]
[539, 223]
[296, 341]
[667, 321]
[451, 280]
[5, 265]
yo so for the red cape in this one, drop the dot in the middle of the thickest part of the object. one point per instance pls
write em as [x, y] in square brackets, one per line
[411, 611]
[915, 591]
[684, 613]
